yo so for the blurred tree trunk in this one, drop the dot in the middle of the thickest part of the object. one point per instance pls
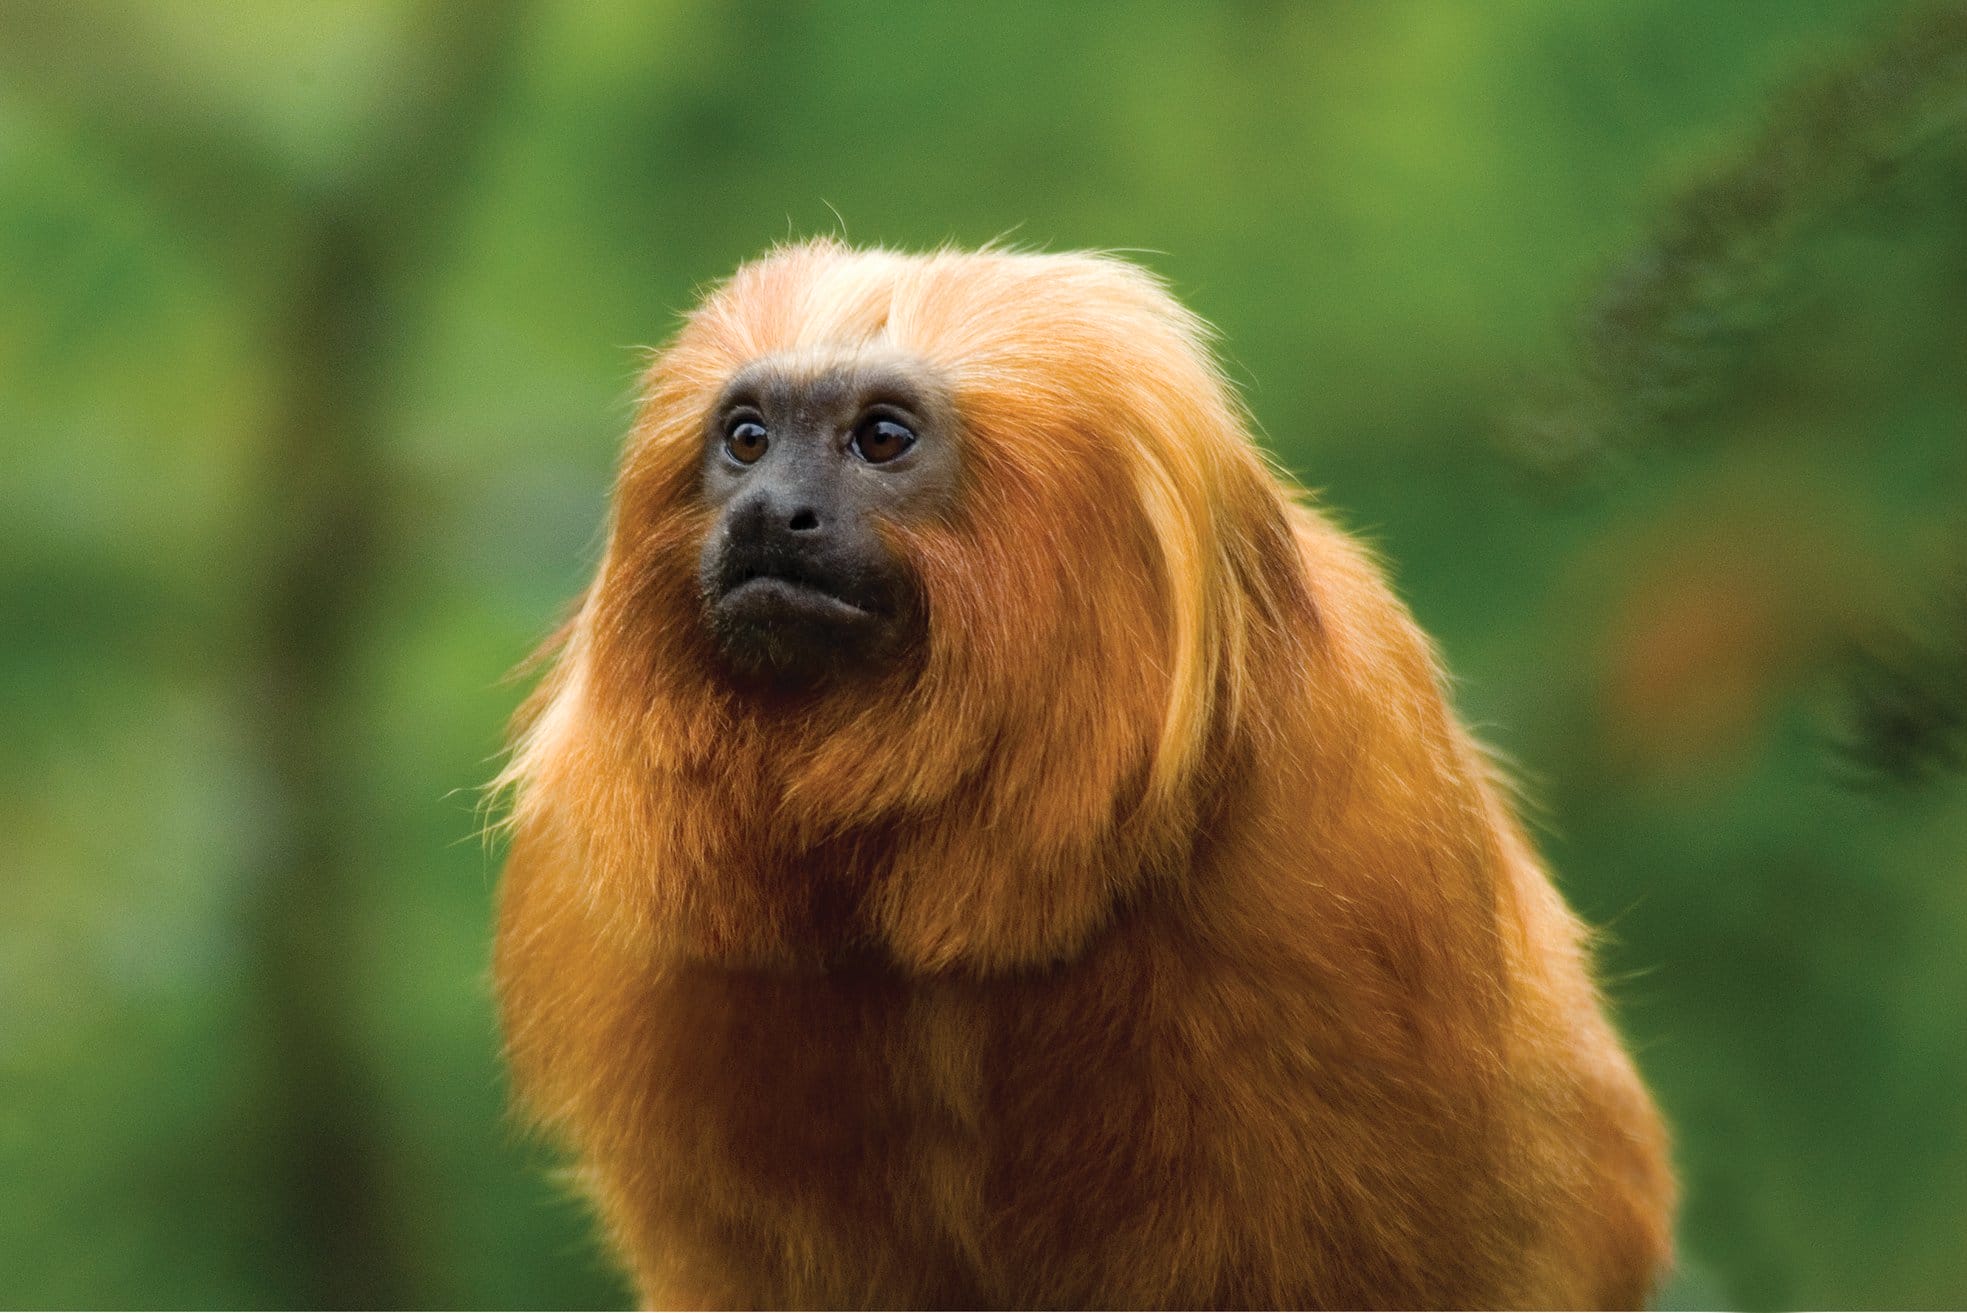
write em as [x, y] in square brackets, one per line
[353, 255]
[325, 539]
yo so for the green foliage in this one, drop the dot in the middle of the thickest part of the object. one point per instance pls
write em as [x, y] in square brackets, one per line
[318, 328]
[1909, 704]
[1666, 334]
[1703, 316]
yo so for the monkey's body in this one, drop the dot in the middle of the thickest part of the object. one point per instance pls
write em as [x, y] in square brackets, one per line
[1315, 1032]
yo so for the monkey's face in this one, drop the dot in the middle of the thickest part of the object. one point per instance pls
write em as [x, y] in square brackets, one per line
[803, 466]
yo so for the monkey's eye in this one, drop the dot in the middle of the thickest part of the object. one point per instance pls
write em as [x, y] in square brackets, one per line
[879, 440]
[746, 441]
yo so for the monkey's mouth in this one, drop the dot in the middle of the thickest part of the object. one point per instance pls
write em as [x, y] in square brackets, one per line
[786, 594]
[798, 617]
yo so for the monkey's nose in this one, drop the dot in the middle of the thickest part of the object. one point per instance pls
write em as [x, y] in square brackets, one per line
[771, 516]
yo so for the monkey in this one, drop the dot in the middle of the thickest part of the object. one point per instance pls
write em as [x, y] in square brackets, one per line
[984, 839]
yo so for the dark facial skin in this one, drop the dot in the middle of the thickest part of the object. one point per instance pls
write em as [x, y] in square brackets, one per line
[800, 464]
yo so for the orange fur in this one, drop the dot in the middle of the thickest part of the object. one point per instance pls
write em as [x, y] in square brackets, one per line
[1156, 937]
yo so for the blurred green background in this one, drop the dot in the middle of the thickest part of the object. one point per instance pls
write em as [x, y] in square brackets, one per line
[1634, 332]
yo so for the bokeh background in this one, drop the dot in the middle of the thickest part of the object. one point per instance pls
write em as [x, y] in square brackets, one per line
[1634, 332]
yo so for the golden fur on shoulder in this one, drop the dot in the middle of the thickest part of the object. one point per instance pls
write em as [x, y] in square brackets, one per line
[1154, 936]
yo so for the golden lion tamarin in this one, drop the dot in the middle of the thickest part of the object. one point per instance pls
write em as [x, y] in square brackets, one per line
[983, 843]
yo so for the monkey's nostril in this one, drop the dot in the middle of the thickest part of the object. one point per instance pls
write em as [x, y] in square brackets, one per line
[803, 522]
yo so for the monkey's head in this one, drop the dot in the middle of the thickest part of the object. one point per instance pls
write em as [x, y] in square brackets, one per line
[938, 593]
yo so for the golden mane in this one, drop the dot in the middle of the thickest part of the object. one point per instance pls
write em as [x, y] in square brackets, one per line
[1092, 410]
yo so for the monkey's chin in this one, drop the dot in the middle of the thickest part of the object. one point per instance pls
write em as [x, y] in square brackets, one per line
[789, 633]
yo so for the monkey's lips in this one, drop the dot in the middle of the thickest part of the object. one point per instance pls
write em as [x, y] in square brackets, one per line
[795, 620]
[768, 596]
